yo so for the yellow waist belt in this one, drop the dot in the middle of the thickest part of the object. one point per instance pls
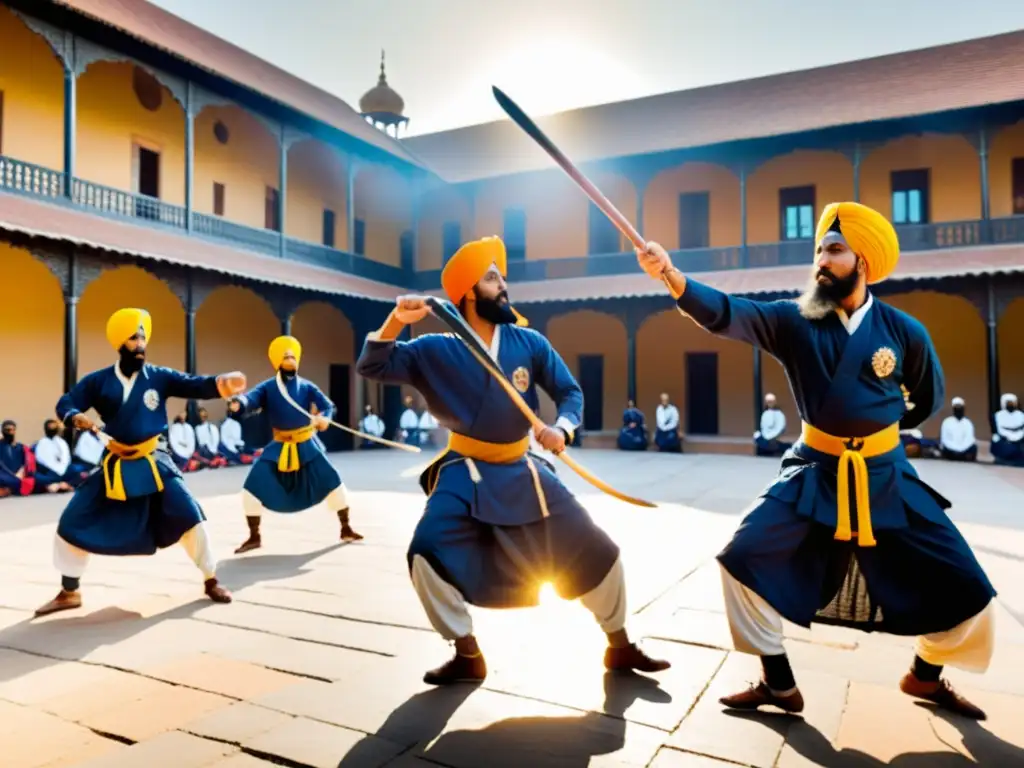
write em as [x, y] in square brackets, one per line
[853, 452]
[290, 439]
[492, 453]
[118, 452]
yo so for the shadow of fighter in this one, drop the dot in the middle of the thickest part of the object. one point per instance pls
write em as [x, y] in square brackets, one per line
[138, 502]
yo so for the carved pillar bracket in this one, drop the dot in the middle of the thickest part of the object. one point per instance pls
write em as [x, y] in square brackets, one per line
[61, 41]
[202, 98]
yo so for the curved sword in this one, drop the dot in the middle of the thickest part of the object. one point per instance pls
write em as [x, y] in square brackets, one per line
[288, 399]
[442, 312]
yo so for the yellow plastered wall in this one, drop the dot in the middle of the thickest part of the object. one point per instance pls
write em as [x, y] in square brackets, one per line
[830, 173]
[31, 333]
[326, 337]
[436, 209]
[246, 165]
[661, 204]
[32, 83]
[958, 333]
[594, 333]
[234, 328]
[1004, 147]
[661, 346]
[382, 199]
[316, 180]
[111, 120]
[557, 218]
[955, 175]
[123, 287]
[1011, 356]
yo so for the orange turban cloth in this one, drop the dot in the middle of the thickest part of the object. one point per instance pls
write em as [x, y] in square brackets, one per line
[869, 234]
[282, 345]
[470, 263]
[125, 323]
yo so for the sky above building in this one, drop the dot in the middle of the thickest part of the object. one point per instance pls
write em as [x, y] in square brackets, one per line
[552, 55]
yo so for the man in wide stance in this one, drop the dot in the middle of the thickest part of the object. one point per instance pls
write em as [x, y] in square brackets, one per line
[498, 522]
[847, 534]
[293, 473]
[138, 502]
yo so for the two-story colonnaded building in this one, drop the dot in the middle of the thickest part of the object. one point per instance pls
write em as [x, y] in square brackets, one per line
[144, 161]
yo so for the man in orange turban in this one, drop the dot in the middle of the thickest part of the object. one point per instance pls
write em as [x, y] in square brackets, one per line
[498, 523]
[137, 502]
[848, 533]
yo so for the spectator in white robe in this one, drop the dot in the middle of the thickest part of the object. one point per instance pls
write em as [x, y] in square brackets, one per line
[956, 437]
[1008, 441]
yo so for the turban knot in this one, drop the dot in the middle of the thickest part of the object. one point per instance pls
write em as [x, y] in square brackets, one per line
[125, 323]
[868, 233]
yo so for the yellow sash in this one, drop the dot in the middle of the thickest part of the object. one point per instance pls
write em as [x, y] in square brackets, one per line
[290, 439]
[492, 453]
[853, 452]
[118, 452]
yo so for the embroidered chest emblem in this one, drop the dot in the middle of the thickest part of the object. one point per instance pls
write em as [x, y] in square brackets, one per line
[151, 399]
[883, 362]
[521, 379]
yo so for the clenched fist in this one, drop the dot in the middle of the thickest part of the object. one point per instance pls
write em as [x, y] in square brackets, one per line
[321, 423]
[411, 309]
[231, 384]
[551, 439]
[83, 422]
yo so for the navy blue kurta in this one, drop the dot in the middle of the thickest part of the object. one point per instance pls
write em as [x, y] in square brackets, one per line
[148, 520]
[922, 576]
[15, 457]
[316, 477]
[632, 438]
[484, 529]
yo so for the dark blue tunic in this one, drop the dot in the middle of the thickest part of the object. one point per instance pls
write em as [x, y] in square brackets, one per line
[316, 477]
[922, 576]
[14, 457]
[484, 529]
[148, 520]
[632, 438]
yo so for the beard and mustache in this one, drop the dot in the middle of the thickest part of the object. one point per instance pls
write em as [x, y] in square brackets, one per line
[820, 299]
[130, 362]
[496, 310]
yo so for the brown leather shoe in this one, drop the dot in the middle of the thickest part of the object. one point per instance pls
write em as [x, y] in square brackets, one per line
[64, 601]
[253, 542]
[760, 695]
[458, 669]
[631, 657]
[941, 694]
[216, 592]
[347, 534]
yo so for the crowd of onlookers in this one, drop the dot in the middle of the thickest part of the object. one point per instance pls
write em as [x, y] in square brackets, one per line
[956, 441]
[57, 463]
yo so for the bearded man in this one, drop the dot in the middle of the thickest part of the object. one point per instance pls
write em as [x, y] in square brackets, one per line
[848, 533]
[498, 523]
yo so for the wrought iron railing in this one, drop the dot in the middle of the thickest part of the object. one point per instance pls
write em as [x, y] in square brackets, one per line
[117, 202]
[265, 241]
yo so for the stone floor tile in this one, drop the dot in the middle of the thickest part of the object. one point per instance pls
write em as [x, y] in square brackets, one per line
[237, 724]
[169, 750]
[228, 677]
[320, 745]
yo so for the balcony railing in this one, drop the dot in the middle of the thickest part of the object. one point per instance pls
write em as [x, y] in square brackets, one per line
[36, 181]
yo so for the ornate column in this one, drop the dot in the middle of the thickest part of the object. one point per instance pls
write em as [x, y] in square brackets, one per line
[350, 215]
[190, 341]
[190, 153]
[758, 389]
[992, 349]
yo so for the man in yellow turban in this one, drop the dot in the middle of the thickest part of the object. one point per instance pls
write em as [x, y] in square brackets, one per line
[138, 502]
[848, 533]
[293, 473]
[498, 523]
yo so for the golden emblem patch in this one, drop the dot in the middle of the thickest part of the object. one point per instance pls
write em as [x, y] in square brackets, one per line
[521, 379]
[883, 362]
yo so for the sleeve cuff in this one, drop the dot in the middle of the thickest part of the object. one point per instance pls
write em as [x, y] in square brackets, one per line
[566, 426]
